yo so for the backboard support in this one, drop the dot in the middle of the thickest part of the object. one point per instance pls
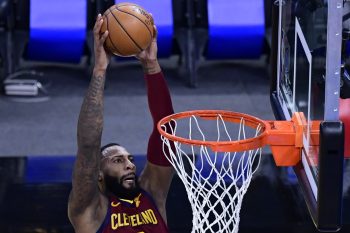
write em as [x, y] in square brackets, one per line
[307, 80]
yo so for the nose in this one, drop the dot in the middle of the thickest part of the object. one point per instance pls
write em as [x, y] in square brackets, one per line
[130, 165]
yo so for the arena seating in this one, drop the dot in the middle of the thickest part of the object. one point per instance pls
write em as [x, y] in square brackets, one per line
[65, 36]
[227, 30]
[57, 31]
[191, 29]
[46, 32]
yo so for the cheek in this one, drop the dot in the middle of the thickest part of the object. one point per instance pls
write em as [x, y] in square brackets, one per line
[114, 170]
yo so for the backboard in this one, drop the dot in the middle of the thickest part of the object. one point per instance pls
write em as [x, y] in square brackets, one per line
[307, 79]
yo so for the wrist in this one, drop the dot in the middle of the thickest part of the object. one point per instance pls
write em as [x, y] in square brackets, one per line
[151, 67]
[98, 71]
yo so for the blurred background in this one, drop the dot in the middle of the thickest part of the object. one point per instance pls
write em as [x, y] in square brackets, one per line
[215, 54]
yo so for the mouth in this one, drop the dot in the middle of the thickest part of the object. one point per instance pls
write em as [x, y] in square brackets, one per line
[129, 178]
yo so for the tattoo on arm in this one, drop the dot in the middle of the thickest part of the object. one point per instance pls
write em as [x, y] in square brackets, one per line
[90, 125]
[90, 122]
[149, 70]
[151, 67]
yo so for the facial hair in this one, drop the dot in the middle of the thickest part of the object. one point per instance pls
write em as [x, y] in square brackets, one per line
[114, 186]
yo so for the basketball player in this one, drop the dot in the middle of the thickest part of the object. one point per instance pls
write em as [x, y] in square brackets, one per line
[106, 195]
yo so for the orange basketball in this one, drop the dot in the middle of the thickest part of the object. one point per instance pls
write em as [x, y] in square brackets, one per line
[130, 29]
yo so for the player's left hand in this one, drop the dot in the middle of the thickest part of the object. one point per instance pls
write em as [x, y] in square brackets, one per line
[150, 53]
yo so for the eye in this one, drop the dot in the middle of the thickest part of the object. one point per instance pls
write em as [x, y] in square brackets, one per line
[131, 159]
[117, 160]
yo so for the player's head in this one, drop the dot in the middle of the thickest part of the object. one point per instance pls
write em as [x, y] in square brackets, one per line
[118, 171]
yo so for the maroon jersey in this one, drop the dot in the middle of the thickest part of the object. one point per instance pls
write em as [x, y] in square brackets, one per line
[133, 216]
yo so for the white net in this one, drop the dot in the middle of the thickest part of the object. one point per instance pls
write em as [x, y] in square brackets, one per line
[215, 182]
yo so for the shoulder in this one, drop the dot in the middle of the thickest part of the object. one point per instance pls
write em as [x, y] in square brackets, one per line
[146, 194]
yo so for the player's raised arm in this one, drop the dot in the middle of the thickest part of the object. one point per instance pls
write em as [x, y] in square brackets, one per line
[158, 172]
[85, 196]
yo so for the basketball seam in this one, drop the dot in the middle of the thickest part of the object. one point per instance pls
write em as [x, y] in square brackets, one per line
[107, 12]
[109, 37]
[138, 19]
[132, 39]
[116, 6]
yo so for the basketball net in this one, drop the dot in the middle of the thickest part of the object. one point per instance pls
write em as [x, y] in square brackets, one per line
[215, 182]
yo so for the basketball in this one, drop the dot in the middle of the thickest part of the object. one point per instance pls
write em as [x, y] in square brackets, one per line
[130, 29]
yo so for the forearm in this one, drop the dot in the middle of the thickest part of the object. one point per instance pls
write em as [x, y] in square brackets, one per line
[86, 167]
[159, 99]
[160, 105]
[90, 123]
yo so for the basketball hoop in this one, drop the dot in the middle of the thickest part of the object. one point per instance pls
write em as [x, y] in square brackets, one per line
[216, 166]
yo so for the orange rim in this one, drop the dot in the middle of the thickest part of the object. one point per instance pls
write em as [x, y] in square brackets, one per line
[284, 137]
[219, 146]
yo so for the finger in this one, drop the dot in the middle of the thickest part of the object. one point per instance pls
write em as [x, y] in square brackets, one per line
[98, 24]
[155, 32]
[98, 18]
[104, 36]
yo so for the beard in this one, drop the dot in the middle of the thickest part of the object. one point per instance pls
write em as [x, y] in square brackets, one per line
[114, 186]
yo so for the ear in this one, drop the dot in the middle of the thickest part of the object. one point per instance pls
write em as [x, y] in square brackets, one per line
[100, 176]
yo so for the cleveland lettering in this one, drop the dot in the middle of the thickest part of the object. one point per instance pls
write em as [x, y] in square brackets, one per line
[123, 220]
